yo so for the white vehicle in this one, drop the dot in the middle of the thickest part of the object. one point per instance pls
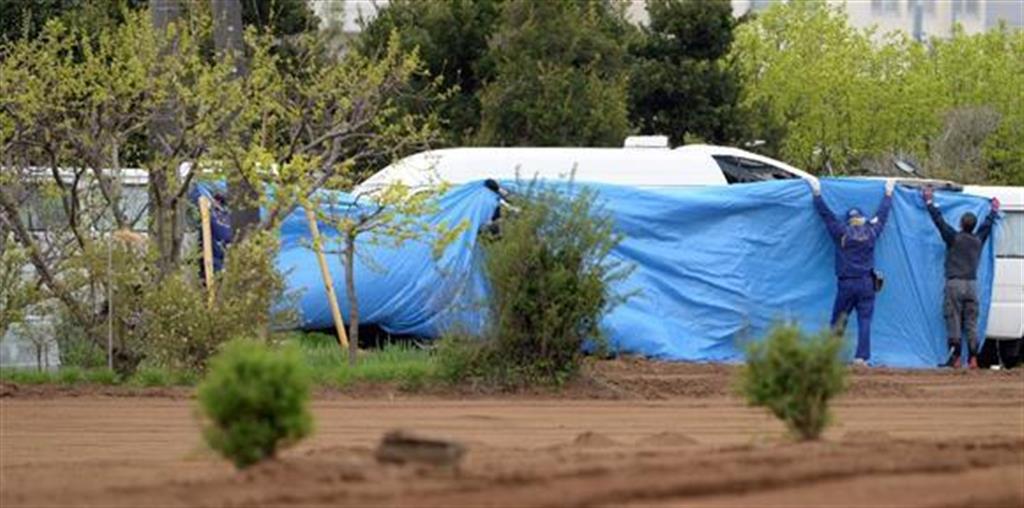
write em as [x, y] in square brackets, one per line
[640, 163]
[1006, 314]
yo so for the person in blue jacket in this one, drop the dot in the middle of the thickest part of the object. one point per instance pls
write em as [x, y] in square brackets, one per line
[855, 264]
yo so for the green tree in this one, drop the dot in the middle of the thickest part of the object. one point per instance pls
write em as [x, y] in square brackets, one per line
[845, 97]
[283, 17]
[76, 99]
[451, 39]
[560, 75]
[681, 84]
[389, 216]
[978, 72]
[26, 18]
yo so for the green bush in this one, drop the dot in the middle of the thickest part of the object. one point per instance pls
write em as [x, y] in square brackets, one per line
[181, 331]
[150, 377]
[549, 273]
[794, 377]
[105, 377]
[255, 400]
[70, 375]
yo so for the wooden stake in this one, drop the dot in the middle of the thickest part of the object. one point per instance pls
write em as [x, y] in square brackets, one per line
[339, 323]
[204, 214]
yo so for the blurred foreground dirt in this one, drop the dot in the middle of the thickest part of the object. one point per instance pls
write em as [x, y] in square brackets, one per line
[637, 433]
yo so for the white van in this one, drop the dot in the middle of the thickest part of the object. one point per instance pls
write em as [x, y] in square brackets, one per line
[632, 165]
[1006, 314]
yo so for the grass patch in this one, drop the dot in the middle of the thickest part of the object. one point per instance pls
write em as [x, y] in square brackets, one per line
[153, 377]
[28, 376]
[63, 376]
[406, 365]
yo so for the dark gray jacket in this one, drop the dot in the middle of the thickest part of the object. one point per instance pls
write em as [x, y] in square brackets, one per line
[963, 248]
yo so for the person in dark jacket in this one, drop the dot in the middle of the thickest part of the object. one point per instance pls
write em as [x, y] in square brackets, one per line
[855, 264]
[963, 251]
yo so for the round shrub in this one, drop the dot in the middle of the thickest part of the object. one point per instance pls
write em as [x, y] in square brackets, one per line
[794, 377]
[255, 400]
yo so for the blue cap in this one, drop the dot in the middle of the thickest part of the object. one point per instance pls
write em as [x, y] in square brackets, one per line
[853, 212]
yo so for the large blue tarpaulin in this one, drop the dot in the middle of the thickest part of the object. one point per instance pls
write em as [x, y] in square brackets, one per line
[715, 267]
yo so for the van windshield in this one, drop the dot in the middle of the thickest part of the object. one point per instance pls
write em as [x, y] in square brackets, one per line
[742, 170]
[1011, 236]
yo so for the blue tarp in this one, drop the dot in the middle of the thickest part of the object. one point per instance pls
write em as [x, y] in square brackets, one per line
[715, 267]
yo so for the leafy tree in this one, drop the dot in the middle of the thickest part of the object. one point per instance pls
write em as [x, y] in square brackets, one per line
[681, 83]
[17, 292]
[977, 72]
[450, 37]
[391, 216]
[844, 96]
[550, 275]
[282, 17]
[26, 18]
[560, 75]
[76, 99]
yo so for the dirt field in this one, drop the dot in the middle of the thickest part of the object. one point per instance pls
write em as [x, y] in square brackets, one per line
[640, 434]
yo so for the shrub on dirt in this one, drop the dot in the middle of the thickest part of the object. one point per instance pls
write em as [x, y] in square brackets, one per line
[255, 400]
[794, 377]
[549, 273]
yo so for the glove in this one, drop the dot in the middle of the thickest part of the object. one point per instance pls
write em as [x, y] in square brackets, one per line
[928, 194]
[890, 185]
[995, 204]
[815, 186]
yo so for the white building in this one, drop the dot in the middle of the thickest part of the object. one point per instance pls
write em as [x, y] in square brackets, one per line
[920, 18]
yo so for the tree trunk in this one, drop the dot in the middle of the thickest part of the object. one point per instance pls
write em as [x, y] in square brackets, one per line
[243, 196]
[166, 213]
[353, 300]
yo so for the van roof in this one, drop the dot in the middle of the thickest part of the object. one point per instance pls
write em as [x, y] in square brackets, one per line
[639, 167]
[1009, 197]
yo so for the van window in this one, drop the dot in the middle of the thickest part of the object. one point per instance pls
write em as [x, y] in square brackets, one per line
[1011, 236]
[742, 170]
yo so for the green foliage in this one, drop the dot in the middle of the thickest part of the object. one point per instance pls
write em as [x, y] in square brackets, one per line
[549, 273]
[91, 99]
[105, 377]
[17, 292]
[560, 75]
[794, 377]
[681, 83]
[450, 36]
[393, 215]
[832, 93]
[27, 376]
[408, 366]
[181, 331]
[256, 401]
[64, 375]
[281, 17]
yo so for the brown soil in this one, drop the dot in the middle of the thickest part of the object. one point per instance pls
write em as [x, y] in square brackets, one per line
[635, 433]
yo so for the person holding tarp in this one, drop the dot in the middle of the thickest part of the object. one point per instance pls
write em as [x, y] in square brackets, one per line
[963, 251]
[857, 282]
